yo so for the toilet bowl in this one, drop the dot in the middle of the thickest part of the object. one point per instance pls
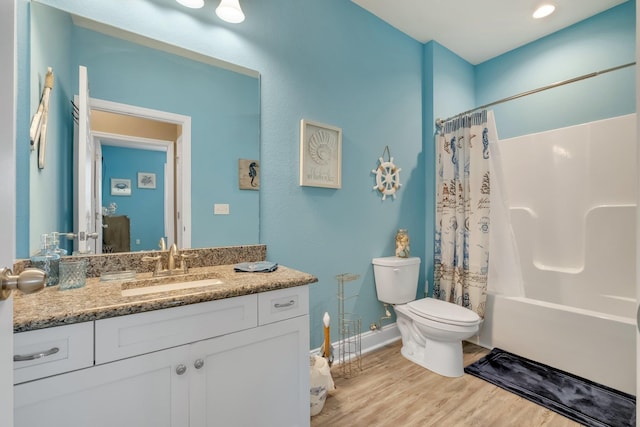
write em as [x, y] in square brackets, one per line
[432, 330]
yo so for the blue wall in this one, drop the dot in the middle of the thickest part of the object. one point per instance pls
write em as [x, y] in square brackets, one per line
[452, 85]
[144, 207]
[600, 42]
[47, 191]
[333, 62]
[224, 107]
[448, 89]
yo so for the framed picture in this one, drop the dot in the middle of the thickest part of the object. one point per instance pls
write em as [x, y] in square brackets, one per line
[248, 174]
[120, 187]
[146, 180]
[320, 155]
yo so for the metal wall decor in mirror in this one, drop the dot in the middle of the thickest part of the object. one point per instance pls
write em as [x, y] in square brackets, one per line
[154, 108]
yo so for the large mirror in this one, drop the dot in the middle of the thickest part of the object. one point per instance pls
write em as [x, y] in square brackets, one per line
[173, 134]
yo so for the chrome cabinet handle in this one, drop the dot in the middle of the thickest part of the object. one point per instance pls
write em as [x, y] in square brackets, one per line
[288, 304]
[34, 356]
[199, 363]
[181, 369]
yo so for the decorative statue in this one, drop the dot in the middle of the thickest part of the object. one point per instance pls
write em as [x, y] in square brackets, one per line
[402, 243]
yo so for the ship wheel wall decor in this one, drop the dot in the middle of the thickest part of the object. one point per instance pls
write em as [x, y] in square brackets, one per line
[387, 176]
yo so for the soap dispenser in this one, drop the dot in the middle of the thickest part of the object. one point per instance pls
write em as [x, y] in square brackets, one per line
[47, 260]
[55, 244]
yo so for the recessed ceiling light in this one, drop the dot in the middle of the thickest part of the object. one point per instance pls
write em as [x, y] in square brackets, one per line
[544, 10]
[193, 4]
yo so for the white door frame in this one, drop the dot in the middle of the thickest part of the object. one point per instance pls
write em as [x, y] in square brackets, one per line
[637, 278]
[7, 196]
[168, 147]
[182, 156]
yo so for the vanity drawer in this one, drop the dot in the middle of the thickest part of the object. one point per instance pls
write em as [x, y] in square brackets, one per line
[45, 352]
[132, 335]
[282, 304]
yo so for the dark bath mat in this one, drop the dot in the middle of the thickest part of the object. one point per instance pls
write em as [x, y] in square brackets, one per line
[576, 398]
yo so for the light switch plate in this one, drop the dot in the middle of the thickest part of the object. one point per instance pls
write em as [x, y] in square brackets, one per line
[221, 209]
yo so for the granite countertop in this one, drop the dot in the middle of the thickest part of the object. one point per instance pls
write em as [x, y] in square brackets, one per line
[101, 300]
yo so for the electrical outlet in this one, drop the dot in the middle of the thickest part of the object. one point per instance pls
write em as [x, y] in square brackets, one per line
[221, 209]
[137, 241]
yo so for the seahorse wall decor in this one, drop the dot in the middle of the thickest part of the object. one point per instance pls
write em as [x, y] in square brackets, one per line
[248, 174]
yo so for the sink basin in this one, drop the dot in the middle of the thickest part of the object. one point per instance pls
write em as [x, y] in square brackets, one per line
[168, 287]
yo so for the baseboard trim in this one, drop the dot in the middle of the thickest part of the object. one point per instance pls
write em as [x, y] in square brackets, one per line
[371, 340]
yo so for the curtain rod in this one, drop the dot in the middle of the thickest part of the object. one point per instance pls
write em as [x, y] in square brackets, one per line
[440, 122]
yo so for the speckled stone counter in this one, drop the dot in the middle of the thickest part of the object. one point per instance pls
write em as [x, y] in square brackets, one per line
[133, 260]
[100, 300]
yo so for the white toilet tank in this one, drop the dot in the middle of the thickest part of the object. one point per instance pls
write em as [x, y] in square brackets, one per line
[396, 278]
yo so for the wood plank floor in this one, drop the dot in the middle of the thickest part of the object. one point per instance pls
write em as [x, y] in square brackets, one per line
[392, 391]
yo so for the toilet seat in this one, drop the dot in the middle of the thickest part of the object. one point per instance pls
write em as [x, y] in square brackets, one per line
[443, 312]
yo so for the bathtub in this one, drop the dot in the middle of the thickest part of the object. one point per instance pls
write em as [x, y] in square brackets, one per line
[591, 344]
[570, 198]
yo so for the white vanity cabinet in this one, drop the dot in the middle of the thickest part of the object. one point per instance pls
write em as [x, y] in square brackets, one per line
[45, 352]
[139, 391]
[252, 378]
[240, 361]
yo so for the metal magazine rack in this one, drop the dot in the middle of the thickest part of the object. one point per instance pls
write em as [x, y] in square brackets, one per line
[349, 346]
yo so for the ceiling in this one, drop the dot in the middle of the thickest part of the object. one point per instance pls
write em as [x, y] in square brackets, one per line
[480, 30]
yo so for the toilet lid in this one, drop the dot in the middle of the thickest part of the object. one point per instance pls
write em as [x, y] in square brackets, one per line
[442, 311]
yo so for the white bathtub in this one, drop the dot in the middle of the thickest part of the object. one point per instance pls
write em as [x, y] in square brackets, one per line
[571, 200]
[591, 344]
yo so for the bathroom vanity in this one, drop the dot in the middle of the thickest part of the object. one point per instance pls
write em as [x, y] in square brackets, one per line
[234, 352]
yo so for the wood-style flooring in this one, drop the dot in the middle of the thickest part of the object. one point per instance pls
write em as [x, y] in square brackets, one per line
[392, 391]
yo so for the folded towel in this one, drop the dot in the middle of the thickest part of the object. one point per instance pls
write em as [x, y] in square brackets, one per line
[256, 267]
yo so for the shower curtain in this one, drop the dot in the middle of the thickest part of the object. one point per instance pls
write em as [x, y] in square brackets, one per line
[463, 210]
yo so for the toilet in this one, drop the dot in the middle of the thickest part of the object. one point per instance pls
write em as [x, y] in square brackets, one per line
[432, 330]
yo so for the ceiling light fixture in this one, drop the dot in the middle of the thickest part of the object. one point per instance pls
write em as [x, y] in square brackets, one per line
[230, 11]
[193, 4]
[544, 10]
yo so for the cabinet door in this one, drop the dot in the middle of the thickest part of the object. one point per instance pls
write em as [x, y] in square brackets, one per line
[140, 391]
[257, 377]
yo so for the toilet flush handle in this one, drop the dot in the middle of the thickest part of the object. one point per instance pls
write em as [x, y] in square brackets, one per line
[395, 270]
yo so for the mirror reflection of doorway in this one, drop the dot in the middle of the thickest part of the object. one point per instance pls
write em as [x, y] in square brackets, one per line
[141, 152]
[136, 221]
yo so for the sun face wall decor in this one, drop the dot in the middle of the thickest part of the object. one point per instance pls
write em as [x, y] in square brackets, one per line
[320, 155]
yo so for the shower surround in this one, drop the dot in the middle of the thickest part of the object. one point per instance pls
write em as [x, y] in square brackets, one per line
[565, 295]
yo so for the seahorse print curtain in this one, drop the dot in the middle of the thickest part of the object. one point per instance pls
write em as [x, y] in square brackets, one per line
[462, 210]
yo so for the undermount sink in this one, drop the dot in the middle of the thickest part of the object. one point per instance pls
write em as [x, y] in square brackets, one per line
[168, 287]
